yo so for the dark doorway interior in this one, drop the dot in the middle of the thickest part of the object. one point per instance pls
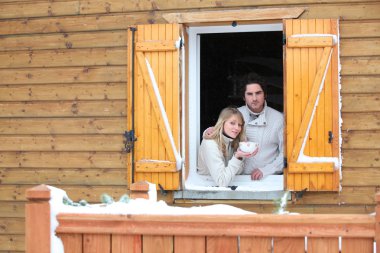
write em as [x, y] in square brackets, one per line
[227, 56]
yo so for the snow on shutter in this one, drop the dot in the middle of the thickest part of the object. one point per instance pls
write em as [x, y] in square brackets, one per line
[312, 105]
[156, 104]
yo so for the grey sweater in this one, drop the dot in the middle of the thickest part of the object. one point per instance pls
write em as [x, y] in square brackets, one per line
[268, 131]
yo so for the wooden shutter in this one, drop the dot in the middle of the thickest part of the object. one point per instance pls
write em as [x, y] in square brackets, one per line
[154, 156]
[312, 105]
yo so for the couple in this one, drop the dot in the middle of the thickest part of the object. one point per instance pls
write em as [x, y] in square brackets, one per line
[219, 153]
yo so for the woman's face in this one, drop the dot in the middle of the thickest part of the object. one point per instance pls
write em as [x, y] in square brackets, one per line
[233, 125]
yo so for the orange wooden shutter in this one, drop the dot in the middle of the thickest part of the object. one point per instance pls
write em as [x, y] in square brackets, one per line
[312, 105]
[156, 50]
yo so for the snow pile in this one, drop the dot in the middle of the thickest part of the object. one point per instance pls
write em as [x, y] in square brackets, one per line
[134, 206]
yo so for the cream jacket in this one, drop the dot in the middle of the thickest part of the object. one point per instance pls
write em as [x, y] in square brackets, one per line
[212, 162]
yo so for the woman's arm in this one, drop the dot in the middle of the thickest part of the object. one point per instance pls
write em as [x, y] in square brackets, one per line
[212, 159]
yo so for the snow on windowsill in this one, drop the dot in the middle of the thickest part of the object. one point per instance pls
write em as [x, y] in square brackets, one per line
[243, 182]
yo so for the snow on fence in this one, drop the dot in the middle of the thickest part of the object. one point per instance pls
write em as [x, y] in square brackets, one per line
[199, 232]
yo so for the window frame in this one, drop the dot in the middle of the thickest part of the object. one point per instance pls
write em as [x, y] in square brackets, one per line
[194, 89]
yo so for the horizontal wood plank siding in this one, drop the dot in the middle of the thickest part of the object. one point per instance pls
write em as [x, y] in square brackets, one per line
[63, 57]
[83, 125]
[63, 90]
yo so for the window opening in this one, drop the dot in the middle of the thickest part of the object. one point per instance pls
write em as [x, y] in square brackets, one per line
[218, 56]
[225, 58]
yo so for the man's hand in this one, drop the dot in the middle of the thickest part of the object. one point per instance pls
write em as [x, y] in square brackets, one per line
[256, 174]
[208, 132]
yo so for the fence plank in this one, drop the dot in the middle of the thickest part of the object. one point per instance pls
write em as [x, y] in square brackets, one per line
[322, 245]
[98, 243]
[222, 244]
[126, 244]
[72, 243]
[255, 244]
[37, 222]
[288, 245]
[189, 244]
[354, 245]
[157, 244]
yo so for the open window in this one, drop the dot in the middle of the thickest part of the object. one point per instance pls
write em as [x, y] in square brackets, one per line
[300, 57]
[218, 57]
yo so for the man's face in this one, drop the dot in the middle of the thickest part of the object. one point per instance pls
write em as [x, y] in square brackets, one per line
[254, 97]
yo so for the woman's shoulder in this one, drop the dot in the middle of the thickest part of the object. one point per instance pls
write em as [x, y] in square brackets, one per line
[209, 143]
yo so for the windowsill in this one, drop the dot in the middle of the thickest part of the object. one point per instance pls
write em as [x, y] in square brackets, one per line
[242, 187]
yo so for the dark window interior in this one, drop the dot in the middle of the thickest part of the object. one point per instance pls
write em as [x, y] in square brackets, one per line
[227, 56]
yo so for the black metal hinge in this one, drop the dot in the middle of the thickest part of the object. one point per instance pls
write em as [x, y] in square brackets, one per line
[285, 162]
[283, 39]
[129, 141]
[331, 136]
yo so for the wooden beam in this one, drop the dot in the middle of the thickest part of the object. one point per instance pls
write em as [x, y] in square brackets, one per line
[234, 15]
[310, 167]
[311, 41]
[156, 46]
[312, 225]
[155, 166]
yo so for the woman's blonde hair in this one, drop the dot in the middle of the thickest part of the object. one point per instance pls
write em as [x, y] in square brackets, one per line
[217, 134]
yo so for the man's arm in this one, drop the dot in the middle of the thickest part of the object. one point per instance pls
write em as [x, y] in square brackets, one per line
[277, 164]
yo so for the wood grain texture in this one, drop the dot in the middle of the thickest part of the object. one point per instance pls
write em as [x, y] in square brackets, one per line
[64, 41]
[72, 242]
[85, 125]
[63, 159]
[364, 65]
[48, 109]
[63, 57]
[68, 58]
[60, 176]
[63, 75]
[190, 244]
[62, 143]
[61, 92]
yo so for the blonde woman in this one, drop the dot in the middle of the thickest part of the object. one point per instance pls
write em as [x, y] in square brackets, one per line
[219, 154]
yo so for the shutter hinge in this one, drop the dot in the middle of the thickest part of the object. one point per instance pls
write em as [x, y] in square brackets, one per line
[299, 194]
[283, 39]
[331, 136]
[129, 140]
[162, 190]
[180, 43]
[285, 162]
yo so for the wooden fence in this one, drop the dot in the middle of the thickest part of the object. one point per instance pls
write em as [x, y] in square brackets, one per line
[200, 233]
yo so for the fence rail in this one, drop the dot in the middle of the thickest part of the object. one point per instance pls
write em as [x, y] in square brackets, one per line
[200, 233]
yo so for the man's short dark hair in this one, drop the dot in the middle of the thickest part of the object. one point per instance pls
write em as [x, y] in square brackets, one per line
[251, 78]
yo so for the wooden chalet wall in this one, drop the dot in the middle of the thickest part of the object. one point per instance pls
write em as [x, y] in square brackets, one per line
[63, 84]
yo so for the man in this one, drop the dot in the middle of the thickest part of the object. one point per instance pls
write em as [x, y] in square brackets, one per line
[264, 125]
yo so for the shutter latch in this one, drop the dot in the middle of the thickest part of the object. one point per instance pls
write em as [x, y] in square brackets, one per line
[331, 136]
[129, 140]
